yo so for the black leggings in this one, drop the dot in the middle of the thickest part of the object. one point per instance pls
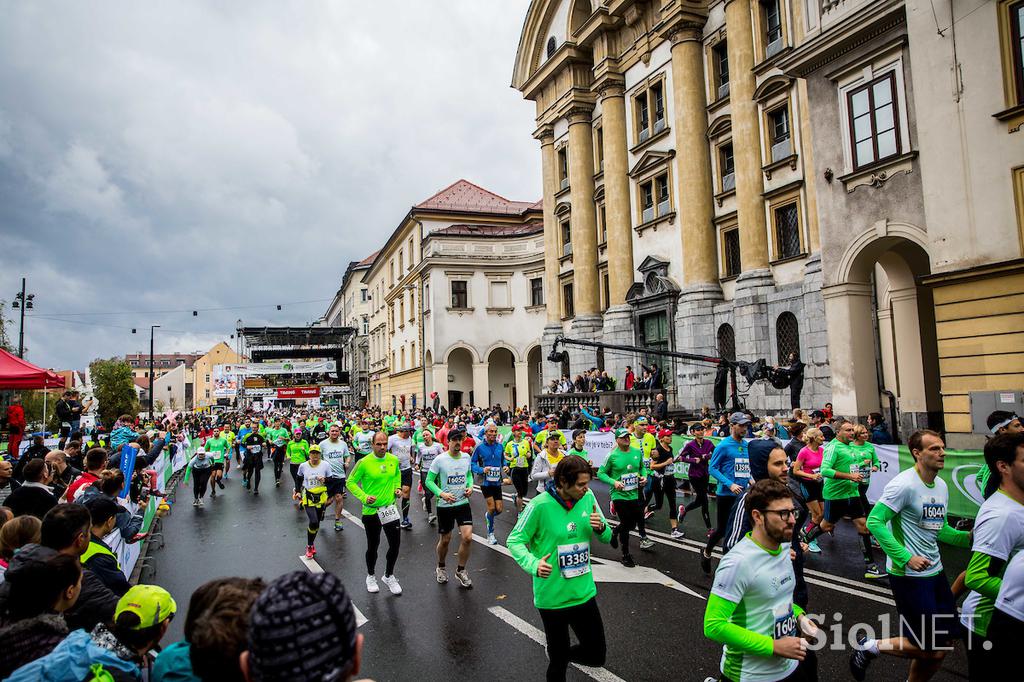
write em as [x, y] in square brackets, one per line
[294, 469]
[315, 516]
[700, 488]
[585, 621]
[664, 488]
[278, 462]
[253, 470]
[373, 527]
[521, 481]
[723, 508]
[630, 513]
[200, 479]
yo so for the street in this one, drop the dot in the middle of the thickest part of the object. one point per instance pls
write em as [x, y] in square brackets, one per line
[652, 614]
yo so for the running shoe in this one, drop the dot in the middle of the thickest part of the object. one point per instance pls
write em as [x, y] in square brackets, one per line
[371, 585]
[277, 483]
[681, 513]
[221, 483]
[310, 552]
[812, 547]
[255, 492]
[614, 542]
[705, 563]
[442, 575]
[200, 501]
[423, 502]
[337, 525]
[491, 539]
[406, 525]
[432, 519]
[648, 513]
[195, 503]
[464, 578]
[677, 533]
[627, 561]
[646, 544]
[392, 583]
[871, 572]
[213, 493]
[860, 659]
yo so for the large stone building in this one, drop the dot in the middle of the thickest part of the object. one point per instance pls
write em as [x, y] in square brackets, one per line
[162, 363]
[351, 308]
[456, 300]
[220, 354]
[722, 177]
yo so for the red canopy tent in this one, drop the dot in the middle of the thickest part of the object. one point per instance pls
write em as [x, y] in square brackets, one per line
[17, 374]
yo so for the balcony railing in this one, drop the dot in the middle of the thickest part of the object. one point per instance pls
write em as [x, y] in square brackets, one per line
[618, 401]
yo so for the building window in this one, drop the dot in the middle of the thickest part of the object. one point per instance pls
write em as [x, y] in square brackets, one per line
[606, 291]
[720, 66]
[787, 337]
[779, 134]
[655, 200]
[727, 342]
[599, 148]
[366, 325]
[401, 263]
[567, 303]
[1016, 21]
[552, 46]
[537, 291]
[563, 168]
[207, 379]
[499, 295]
[207, 392]
[566, 229]
[391, 272]
[649, 110]
[401, 312]
[602, 224]
[731, 252]
[772, 26]
[727, 167]
[412, 354]
[410, 253]
[874, 132]
[786, 223]
[460, 294]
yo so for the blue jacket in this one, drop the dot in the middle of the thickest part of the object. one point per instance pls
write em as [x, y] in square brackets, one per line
[723, 465]
[491, 456]
[71, 660]
[598, 422]
[174, 664]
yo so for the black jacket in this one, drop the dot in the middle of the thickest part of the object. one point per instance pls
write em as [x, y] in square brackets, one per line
[107, 570]
[661, 410]
[29, 499]
[95, 604]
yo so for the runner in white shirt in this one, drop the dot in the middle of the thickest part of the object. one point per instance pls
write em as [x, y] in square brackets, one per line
[362, 442]
[335, 453]
[428, 451]
[400, 445]
[313, 474]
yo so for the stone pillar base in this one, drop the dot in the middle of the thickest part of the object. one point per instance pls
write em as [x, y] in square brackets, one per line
[585, 329]
[618, 329]
[696, 333]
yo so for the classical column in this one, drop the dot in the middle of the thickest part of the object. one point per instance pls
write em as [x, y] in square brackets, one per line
[481, 384]
[439, 371]
[552, 296]
[523, 396]
[616, 192]
[746, 137]
[851, 352]
[584, 215]
[700, 261]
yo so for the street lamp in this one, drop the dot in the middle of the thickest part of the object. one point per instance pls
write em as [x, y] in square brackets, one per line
[22, 302]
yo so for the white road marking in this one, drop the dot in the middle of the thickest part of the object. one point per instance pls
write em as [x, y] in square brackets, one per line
[315, 567]
[600, 674]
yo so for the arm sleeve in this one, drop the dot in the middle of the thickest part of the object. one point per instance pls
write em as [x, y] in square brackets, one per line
[352, 485]
[718, 628]
[878, 525]
[597, 422]
[520, 537]
[477, 457]
[716, 460]
[954, 537]
[431, 482]
[828, 463]
[540, 469]
[984, 574]
[602, 473]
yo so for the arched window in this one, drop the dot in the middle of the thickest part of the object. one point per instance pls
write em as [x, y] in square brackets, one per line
[552, 46]
[727, 342]
[787, 336]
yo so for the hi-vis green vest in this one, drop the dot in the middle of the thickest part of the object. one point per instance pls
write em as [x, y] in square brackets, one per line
[96, 548]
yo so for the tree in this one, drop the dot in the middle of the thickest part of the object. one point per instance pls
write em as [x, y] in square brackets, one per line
[114, 389]
[5, 339]
[32, 403]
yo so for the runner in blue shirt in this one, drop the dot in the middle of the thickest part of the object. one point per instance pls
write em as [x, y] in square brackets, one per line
[489, 461]
[730, 466]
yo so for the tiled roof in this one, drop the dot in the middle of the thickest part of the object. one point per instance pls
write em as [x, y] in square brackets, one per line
[464, 196]
[369, 259]
[532, 227]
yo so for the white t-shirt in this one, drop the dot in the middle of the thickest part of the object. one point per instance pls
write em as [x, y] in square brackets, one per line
[334, 454]
[363, 442]
[428, 453]
[761, 583]
[1011, 592]
[999, 533]
[313, 476]
[921, 514]
[402, 449]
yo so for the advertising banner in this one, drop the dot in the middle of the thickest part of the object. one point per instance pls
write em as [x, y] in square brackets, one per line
[249, 369]
[298, 392]
[225, 383]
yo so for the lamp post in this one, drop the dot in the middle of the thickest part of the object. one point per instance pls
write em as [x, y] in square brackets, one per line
[151, 328]
[22, 301]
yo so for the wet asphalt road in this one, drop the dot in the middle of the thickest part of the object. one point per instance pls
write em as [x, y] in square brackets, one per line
[436, 631]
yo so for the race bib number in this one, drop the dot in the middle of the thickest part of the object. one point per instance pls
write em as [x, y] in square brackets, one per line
[865, 473]
[785, 626]
[630, 481]
[741, 467]
[388, 514]
[933, 516]
[255, 449]
[682, 468]
[492, 474]
[456, 481]
[574, 560]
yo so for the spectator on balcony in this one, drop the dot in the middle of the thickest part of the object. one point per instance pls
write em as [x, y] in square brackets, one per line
[630, 378]
[660, 408]
[657, 379]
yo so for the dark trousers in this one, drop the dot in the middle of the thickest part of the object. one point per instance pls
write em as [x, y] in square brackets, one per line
[314, 514]
[585, 621]
[373, 527]
[1005, 634]
[252, 470]
[662, 489]
[294, 468]
[723, 508]
[700, 489]
[200, 479]
[630, 513]
[278, 462]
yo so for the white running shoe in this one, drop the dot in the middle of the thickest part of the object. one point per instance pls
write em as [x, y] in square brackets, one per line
[677, 533]
[646, 544]
[464, 578]
[371, 585]
[442, 575]
[392, 583]
[432, 519]
[491, 539]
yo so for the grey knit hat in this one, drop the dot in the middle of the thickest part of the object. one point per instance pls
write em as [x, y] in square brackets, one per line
[303, 627]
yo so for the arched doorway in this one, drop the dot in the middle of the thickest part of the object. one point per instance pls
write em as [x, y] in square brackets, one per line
[501, 378]
[535, 382]
[881, 329]
[460, 378]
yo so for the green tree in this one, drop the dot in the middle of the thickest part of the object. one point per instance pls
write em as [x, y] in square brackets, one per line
[5, 326]
[114, 389]
[32, 403]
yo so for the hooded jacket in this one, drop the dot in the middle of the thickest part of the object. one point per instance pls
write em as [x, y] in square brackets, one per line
[73, 658]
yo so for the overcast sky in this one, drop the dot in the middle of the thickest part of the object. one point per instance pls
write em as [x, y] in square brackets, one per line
[195, 154]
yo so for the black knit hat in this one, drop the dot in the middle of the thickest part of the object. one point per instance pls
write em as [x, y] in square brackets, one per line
[303, 627]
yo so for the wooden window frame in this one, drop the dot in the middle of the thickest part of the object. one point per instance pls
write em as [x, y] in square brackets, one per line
[602, 224]
[562, 160]
[724, 273]
[869, 86]
[598, 147]
[717, 83]
[652, 180]
[451, 293]
[721, 166]
[774, 205]
[533, 290]
[568, 303]
[769, 128]
[763, 40]
[605, 288]
[644, 94]
[565, 227]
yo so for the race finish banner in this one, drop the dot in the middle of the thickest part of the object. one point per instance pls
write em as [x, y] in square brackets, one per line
[960, 472]
[251, 369]
[298, 392]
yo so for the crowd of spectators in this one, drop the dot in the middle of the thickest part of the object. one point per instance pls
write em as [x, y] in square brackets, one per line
[595, 380]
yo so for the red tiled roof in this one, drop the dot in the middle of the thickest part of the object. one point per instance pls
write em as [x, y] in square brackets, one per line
[369, 259]
[141, 382]
[532, 227]
[463, 195]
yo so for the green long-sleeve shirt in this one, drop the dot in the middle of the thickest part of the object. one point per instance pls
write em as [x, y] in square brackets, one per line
[378, 477]
[298, 451]
[548, 526]
[626, 466]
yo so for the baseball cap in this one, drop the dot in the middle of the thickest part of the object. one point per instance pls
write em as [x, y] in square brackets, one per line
[456, 431]
[622, 433]
[517, 427]
[297, 430]
[664, 432]
[739, 418]
[152, 605]
[314, 448]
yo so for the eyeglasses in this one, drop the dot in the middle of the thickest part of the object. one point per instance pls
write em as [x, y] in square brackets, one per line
[784, 514]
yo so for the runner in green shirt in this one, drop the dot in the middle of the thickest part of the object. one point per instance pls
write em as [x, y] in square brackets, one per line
[277, 436]
[217, 447]
[551, 542]
[376, 481]
[297, 451]
[625, 474]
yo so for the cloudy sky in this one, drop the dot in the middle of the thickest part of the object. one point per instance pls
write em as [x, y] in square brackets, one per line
[162, 156]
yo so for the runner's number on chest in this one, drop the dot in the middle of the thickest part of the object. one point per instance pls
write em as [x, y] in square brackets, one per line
[574, 559]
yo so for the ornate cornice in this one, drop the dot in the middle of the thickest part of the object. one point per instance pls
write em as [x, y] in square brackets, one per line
[685, 32]
[580, 112]
[610, 86]
[545, 133]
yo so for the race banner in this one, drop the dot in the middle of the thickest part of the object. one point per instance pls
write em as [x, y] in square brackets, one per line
[298, 392]
[225, 383]
[251, 369]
